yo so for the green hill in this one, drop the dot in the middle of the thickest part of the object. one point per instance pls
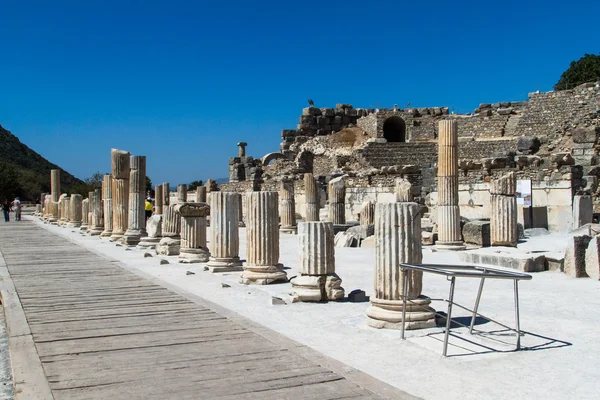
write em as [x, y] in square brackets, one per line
[26, 174]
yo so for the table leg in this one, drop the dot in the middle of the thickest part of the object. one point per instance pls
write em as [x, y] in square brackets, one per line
[449, 316]
[476, 305]
[404, 294]
[517, 314]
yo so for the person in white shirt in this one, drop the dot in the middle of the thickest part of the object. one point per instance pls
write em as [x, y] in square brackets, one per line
[17, 206]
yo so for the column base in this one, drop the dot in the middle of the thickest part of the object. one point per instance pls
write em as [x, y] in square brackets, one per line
[83, 227]
[263, 275]
[132, 237]
[96, 231]
[450, 246]
[232, 264]
[317, 288]
[190, 256]
[387, 314]
[292, 230]
[73, 225]
[106, 234]
[148, 242]
[168, 247]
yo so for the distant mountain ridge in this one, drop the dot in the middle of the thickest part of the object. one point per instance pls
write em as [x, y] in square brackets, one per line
[26, 174]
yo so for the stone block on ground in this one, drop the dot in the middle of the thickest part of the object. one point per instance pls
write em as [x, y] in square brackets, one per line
[168, 247]
[346, 239]
[575, 256]
[363, 232]
[592, 258]
[477, 232]
[505, 257]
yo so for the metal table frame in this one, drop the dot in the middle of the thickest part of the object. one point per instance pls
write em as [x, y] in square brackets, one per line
[465, 271]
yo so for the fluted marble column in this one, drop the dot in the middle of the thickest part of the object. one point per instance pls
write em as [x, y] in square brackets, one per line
[317, 280]
[166, 193]
[107, 203]
[287, 208]
[398, 240]
[503, 223]
[200, 194]
[97, 213]
[120, 193]
[224, 232]
[449, 234]
[262, 242]
[336, 190]
[170, 243]
[61, 216]
[311, 198]
[54, 193]
[85, 210]
[90, 211]
[75, 210]
[137, 190]
[67, 210]
[193, 232]
[367, 213]
[158, 200]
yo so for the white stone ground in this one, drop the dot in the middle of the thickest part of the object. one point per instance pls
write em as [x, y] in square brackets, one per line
[558, 313]
[6, 384]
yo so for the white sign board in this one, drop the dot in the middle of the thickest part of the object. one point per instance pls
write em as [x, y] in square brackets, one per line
[524, 193]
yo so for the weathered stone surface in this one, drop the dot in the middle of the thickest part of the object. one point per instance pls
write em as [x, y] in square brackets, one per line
[168, 246]
[337, 195]
[75, 210]
[97, 225]
[287, 207]
[182, 192]
[362, 231]
[346, 239]
[262, 243]
[158, 200]
[193, 247]
[136, 215]
[311, 195]
[192, 209]
[575, 256]
[398, 238]
[403, 191]
[120, 192]
[154, 230]
[520, 261]
[477, 232]
[107, 187]
[367, 213]
[528, 144]
[532, 232]
[583, 210]
[587, 134]
[224, 232]
[85, 207]
[592, 258]
[505, 185]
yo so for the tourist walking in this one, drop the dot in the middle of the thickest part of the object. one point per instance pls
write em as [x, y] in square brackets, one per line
[17, 206]
[6, 209]
[148, 208]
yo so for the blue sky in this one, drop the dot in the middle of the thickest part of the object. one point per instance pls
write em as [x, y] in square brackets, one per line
[183, 81]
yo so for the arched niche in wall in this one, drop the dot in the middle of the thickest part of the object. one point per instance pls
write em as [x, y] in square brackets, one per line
[394, 129]
[304, 161]
[266, 160]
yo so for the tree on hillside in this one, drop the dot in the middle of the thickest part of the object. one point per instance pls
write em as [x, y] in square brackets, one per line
[95, 181]
[586, 69]
[149, 186]
[193, 185]
[9, 181]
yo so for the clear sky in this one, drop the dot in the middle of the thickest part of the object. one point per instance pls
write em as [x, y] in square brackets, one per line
[183, 81]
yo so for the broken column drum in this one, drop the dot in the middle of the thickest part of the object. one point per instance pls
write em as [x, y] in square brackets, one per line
[166, 190]
[107, 188]
[311, 198]
[136, 212]
[66, 205]
[337, 199]
[193, 232]
[583, 210]
[120, 193]
[224, 232]
[170, 243]
[85, 209]
[158, 200]
[182, 193]
[262, 241]
[61, 217]
[201, 194]
[503, 221]
[317, 280]
[403, 191]
[287, 208]
[398, 240]
[97, 225]
[449, 234]
[75, 211]
[367, 213]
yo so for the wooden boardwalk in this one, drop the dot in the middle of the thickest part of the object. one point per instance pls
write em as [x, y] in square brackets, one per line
[102, 332]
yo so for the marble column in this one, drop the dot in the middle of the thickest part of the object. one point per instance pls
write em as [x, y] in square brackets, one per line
[137, 192]
[316, 280]
[107, 203]
[154, 231]
[67, 210]
[85, 209]
[503, 221]
[193, 232]
[398, 240]
[97, 226]
[200, 194]
[54, 193]
[182, 193]
[158, 200]
[166, 193]
[336, 190]
[75, 210]
[367, 213]
[242, 149]
[170, 243]
[90, 211]
[449, 233]
[262, 241]
[61, 218]
[224, 232]
[311, 198]
[120, 193]
[287, 208]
